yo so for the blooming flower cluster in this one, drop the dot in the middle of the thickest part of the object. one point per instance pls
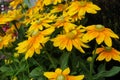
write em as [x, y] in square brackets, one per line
[40, 22]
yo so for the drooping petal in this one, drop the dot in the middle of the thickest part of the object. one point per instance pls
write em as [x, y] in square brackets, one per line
[99, 50]
[108, 41]
[63, 43]
[100, 38]
[69, 45]
[101, 56]
[108, 56]
[90, 36]
[111, 33]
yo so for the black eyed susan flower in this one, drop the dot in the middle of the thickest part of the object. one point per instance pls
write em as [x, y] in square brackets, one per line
[100, 33]
[62, 75]
[108, 53]
[81, 7]
[69, 39]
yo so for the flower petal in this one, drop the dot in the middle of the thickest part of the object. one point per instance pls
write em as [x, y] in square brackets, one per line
[100, 38]
[79, 77]
[58, 71]
[50, 75]
[66, 71]
[108, 41]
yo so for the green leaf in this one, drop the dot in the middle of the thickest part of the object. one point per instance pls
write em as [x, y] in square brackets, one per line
[7, 71]
[4, 69]
[112, 72]
[21, 69]
[102, 74]
[38, 71]
[64, 60]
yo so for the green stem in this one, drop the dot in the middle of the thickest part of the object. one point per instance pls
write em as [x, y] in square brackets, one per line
[35, 61]
[50, 58]
[27, 67]
[14, 23]
[92, 63]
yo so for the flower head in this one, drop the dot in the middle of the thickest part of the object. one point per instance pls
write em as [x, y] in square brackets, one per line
[48, 2]
[15, 3]
[6, 40]
[81, 7]
[69, 39]
[10, 16]
[62, 75]
[33, 44]
[108, 53]
[100, 33]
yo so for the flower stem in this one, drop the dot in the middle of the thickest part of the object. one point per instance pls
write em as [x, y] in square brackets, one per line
[92, 63]
[51, 60]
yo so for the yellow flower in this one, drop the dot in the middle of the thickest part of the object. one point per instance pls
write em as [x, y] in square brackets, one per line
[64, 21]
[70, 39]
[48, 2]
[100, 33]
[62, 75]
[10, 16]
[15, 3]
[75, 17]
[42, 22]
[59, 8]
[81, 7]
[6, 40]
[33, 44]
[108, 53]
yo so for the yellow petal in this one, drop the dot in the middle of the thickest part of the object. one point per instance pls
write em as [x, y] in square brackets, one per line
[116, 57]
[81, 12]
[111, 33]
[63, 43]
[101, 56]
[99, 50]
[89, 36]
[79, 77]
[66, 71]
[50, 75]
[58, 71]
[100, 38]
[108, 57]
[69, 45]
[29, 53]
[108, 41]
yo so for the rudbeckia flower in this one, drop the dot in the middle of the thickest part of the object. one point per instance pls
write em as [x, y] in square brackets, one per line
[81, 7]
[69, 39]
[62, 75]
[64, 21]
[15, 3]
[58, 8]
[100, 33]
[40, 24]
[33, 44]
[108, 53]
[6, 40]
[10, 16]
[48, 2]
